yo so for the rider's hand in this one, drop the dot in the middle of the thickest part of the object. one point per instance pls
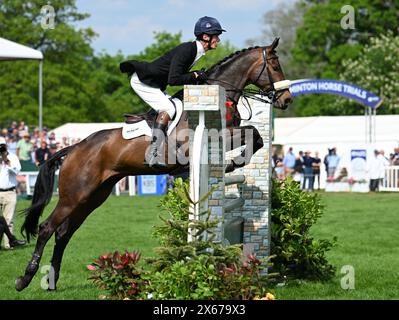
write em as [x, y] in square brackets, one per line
[200, 76]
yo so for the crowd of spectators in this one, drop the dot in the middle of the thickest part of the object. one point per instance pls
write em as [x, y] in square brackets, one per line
[33, 146]
[305, 167]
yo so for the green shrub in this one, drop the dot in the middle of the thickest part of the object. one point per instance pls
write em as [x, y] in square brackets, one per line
[118, 274]
[199, 269]
[297, 253]
[202, 268]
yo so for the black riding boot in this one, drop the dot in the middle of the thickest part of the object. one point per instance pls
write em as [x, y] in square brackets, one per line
[157, 157]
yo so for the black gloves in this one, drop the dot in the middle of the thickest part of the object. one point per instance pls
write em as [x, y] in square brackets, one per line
[201, 76]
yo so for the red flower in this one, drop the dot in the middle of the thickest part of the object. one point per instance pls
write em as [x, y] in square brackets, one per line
[91, 267]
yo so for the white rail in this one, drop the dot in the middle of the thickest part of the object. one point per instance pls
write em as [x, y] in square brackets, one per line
[391, 180]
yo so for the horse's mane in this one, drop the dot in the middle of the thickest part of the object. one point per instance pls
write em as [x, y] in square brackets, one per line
[234, 54]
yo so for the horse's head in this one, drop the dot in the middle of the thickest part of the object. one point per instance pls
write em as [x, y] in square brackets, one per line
[267, 74]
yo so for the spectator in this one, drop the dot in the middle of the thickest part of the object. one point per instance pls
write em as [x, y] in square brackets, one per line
[16, 134]
[65, 142]
[36, 134]
[395, 157]
[374, 171]
[289, 162]
[22, 129]
[4, 229]
[298, 168]
[4, 133]
[332, 162]
[12, 144]
[12, 127]
[279, 169]
[308, 171]
[42, 153]
[53, 149]
[51, 137]
[24, 149]
[325, 160]
[385, 162]
[316, 170]
[9, 170]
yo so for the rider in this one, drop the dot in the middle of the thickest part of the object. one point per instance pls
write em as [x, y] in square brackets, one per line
[149, 79]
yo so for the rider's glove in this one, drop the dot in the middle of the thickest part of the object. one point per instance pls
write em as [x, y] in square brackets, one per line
[200, 76]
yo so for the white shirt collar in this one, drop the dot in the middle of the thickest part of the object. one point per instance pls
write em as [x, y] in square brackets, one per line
[200, 51]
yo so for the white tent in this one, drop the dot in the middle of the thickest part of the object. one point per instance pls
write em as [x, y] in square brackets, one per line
[13, 51]
[323, 130]
[73, 131]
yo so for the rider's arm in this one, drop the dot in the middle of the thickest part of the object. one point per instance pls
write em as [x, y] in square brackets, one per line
[180, 64]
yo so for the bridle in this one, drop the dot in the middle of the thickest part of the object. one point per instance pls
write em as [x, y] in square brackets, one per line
[271, 94]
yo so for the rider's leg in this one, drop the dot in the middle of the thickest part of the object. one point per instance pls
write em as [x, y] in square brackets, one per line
[157, 100]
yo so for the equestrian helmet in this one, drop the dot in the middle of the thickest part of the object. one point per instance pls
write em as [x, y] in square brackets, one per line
[208, 25]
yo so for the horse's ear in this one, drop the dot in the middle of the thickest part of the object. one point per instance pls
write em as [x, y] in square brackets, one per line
[275, 43]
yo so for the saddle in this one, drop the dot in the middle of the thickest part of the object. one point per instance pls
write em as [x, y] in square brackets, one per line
[149, 116]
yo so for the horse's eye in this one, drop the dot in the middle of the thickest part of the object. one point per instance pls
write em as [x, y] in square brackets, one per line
[276, 67]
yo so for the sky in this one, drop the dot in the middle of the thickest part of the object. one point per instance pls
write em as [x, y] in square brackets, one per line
[129, 25]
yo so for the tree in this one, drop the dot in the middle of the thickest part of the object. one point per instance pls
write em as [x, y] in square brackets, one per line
[283, 23]
[377, 69]
[322, 45]
[68, 96]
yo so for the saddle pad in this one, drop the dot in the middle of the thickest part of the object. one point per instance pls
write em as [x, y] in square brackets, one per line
[141, 128]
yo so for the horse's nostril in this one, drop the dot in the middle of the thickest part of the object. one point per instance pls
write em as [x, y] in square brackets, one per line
[287, 101]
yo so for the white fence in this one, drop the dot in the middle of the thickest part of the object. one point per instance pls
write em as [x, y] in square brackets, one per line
[391, 181]
[31, 176]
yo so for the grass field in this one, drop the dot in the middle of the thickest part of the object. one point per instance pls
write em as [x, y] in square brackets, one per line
[365, 224]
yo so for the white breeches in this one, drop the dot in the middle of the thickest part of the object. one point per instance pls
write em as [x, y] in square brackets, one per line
[154, 97]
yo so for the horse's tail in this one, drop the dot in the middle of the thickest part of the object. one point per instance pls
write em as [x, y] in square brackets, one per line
[42, 194]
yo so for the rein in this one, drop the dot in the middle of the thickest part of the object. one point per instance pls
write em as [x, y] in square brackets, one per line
[266, 96]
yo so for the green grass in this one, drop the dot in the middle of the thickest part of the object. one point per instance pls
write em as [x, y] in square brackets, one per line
[365, 224]
[122, 223]
[368, 239]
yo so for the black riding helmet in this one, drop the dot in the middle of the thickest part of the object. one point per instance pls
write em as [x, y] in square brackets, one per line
[207, 25]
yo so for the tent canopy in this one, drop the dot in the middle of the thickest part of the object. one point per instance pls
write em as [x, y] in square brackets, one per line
[14, 51]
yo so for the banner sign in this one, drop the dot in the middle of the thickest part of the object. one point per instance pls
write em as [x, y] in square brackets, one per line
[348, 90]
[358, 168]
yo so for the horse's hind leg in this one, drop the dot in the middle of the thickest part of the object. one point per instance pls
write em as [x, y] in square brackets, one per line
[247, 135]
[62, 236]
[66, 230]
[46, 230]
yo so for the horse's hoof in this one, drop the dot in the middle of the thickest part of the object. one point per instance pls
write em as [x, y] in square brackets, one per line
[230, 167]
[20, 284]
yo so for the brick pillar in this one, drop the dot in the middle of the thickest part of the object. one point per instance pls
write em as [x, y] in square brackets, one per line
[256, 190]
[206, 107]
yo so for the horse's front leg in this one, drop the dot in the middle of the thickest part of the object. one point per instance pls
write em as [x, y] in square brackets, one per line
[237, 137]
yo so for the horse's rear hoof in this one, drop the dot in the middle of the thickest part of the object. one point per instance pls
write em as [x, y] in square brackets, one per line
[230, 167]
[20, 284]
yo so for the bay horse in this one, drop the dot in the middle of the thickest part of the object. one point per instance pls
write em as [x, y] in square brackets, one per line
[91, 167]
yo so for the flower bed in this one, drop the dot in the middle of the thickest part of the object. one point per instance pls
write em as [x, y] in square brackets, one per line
[346, 185]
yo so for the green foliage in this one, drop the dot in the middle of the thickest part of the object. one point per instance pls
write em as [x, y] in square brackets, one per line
[68, 92]
[201, 279]
[78, 86]
[377, 69]
[205, 269]
[119, 274]
[200, 269]
[322, 45]
[298, 254]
